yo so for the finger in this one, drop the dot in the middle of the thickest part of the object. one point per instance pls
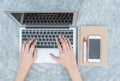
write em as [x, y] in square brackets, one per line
[28, 45]
[35, 42]
[69, 44]
[23, 47]
[65, 40]
[58, 45]
[35, 54]
[32, 48]
[56, 59]
[63, 43]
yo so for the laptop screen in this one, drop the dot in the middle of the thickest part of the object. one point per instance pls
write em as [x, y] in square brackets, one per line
[44, 18]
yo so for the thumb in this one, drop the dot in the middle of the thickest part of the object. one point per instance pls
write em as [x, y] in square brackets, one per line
[56, 59]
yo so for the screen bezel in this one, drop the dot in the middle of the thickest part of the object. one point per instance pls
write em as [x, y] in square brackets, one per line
[94, 37]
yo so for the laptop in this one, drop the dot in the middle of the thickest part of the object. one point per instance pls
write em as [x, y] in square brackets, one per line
[45, 26]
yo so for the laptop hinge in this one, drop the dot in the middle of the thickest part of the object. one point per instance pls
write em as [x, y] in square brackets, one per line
[47, 27]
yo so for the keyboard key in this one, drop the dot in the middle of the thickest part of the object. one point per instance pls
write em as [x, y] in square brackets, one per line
[39, 35]
[26, 32]
[33, 32]
[23, 32]
[39, 40]
[41, 43]
[43, 39]
[44, 33]
[45, 43]
[71, 36]
[35, 36]
[46, 36]
[45, 46]
[23, 35]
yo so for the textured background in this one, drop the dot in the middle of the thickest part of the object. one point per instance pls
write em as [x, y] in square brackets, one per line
[92, 12]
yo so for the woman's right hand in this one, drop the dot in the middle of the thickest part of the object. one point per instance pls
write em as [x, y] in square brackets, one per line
[67, 56]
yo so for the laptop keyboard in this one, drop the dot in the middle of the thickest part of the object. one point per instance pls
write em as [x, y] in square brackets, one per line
[45, 37]
[48, 18]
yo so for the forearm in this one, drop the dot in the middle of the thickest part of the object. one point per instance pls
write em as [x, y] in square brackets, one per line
[75, 74]
[21, 75]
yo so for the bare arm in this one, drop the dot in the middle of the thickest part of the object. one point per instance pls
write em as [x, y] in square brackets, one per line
[67, 58]
[28, 55]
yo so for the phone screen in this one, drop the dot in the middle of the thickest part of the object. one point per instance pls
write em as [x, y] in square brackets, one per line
[94, 48]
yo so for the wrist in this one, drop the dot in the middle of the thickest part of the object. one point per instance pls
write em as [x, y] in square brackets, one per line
[23, 69]
[20, 75]
[73, 70]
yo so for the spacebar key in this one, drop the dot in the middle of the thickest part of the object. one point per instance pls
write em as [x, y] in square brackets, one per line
[45, 46]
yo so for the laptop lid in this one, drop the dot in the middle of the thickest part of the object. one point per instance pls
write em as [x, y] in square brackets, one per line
[44, 18]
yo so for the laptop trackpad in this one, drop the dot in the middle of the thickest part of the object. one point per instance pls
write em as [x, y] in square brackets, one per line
[43, 55]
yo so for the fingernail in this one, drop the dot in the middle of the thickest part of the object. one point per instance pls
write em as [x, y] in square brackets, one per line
[59, 36]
